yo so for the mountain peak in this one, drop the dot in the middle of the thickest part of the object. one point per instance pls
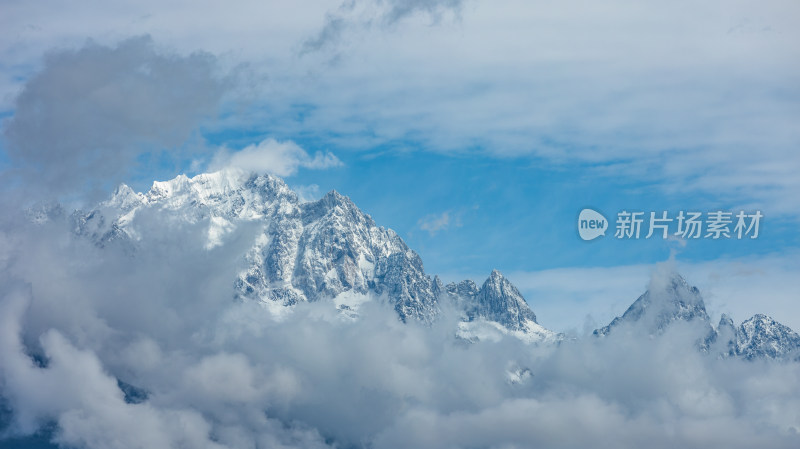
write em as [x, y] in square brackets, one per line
[499, 300]
[334, 198]
[671, 284]
[761, 336]
[725, 321]
[125, 198]
[496, 305]
[669, 298]
[760, 318]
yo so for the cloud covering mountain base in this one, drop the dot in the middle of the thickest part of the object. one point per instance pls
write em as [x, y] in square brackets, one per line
[75, 319]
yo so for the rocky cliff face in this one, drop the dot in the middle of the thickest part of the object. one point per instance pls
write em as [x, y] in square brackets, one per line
[496, 305]
[759, 337]
[329, 249]
[306, 251]
[661, 305]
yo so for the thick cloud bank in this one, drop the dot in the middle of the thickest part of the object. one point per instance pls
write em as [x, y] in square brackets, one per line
[91, 112]
[110, 348]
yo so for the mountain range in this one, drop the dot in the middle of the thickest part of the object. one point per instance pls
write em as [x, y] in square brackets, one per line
[330, 249]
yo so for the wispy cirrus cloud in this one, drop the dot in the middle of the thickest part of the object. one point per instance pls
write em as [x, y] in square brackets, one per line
[353, 16]
[694, 103]
[435, 223]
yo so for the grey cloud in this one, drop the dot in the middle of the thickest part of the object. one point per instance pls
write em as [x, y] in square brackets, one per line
[400, 9]
[91, 112]
[354, 15]
[221, 373]
[330, 33]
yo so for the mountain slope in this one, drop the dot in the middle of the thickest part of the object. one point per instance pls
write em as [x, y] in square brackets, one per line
[661, 305]
[497, 305]
[759, 337]
[304, 251]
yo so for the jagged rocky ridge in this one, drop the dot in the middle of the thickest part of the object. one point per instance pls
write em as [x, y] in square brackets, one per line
[757, 337]
[308, 251]
[661, 305]
[496, 304]
[675, 300]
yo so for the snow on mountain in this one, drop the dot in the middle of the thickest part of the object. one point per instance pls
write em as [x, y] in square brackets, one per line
[216, 198]
[662, 304]
[328, 247]
[723, 340]
[307, 251]
[759, 337]
[496, 309]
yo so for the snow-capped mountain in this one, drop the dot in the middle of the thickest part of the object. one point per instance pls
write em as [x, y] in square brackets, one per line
[307, 251]
[756, 338]
[496, 306]
[661, 305]
[329, 248]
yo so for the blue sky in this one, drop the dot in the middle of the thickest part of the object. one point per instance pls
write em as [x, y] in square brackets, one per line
[520, 214]
[477, 130]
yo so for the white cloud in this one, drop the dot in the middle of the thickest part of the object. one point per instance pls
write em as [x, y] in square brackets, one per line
[686, 101]
[435, 222]
[221, 373]
[272, 156]
[682, 99]
[565, 298]
[309, 192]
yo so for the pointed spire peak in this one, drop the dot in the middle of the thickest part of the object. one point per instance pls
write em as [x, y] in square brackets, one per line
[667, 281]
[496, 280]
[759, 318]
[665, 277]
[675, 280]
[331, 201]
[124, 198]
[499, 284]
[123, 189]
[338, 206]
[336, 199]
[725, 320]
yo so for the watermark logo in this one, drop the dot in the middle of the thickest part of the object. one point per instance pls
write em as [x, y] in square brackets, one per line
[591, 224]
[685, 225]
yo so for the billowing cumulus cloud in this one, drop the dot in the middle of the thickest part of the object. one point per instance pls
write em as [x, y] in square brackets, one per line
[213, 372]
[91, 112]
[118, 348]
